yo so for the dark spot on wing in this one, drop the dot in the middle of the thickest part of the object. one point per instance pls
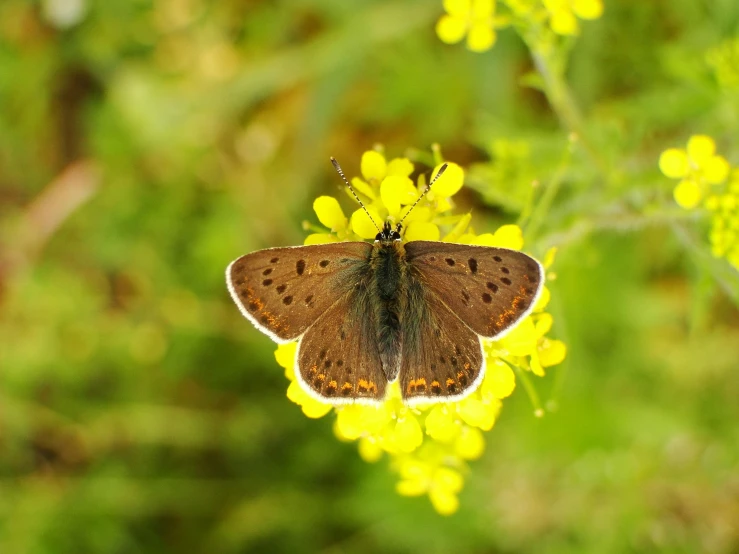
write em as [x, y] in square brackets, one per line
[300, 267]
[450, 262]
[252, 306]
[493, 287]
[267, 271]
[287, 300]
[324, 263]
[274, 260]
[281, 288]
[505, 281]
[340, 363]
[486, 298]
[465, 296]
[264, 319]
[327, 364]
[267, 282]
[436, 387]
[497, 258]
[531, 266]
[309, 299]
[472, 262]
[322, 354]
[505, 270]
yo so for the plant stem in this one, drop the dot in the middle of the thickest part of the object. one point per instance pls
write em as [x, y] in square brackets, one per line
[530, 391]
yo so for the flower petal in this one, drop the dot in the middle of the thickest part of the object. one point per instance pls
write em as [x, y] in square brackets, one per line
[471, 443]
[481, 37]
[445, 503]
[716, 170]
[440, 424]
[460, 8]
[552, 352]
[420, 230]
[450, 181]
[563, 22]
[701, 148]
[320, 238]
[329, 212]
[509, 236]
[369, 450]
[588, 9]
[408, 434]
[396, 190]
[687, 194]
[402, 167]
[362, 225]
[482, 9]
[373, 165]
[674, 163]
[500, 380]
[451, 29]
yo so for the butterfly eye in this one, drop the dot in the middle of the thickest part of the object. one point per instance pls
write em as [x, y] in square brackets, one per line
[378, 236]
[395, 235]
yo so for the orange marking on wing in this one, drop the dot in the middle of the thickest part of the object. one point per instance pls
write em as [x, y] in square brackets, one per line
[449, 381]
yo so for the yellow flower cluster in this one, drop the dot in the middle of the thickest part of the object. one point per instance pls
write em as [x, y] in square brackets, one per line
[428, 445]
[478, 20]
[705, 180]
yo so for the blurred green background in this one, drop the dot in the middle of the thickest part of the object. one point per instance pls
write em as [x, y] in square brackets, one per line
[144, 144]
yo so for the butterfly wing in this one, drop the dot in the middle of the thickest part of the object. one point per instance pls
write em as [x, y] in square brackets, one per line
[442, 357]
[338, 359]
[489, 289]
[283, 291]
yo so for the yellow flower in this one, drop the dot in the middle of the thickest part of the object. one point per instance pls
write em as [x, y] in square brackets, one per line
[563, 14]
[474, 18]
[428, 445]
[698, 168]
[724, 234]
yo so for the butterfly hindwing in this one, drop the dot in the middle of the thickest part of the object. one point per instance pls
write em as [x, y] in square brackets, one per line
[338, 359]
[283, 291]
[442, 357]
[490, 289]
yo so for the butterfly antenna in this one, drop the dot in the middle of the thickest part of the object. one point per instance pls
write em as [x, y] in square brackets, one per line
[428, 188]
[337, 167]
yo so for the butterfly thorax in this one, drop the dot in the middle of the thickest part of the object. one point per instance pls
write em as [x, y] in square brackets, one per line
[389, 299]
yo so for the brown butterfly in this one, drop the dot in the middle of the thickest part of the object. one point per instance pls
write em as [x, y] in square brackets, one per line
[367, 315]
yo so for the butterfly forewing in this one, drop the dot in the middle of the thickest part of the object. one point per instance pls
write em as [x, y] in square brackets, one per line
[489, 289]
[442, 358]
[283, 291]
[338, 358]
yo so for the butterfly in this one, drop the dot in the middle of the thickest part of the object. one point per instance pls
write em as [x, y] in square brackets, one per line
[367, 315]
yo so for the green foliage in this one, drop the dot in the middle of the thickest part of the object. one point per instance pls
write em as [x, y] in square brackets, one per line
[145, 144]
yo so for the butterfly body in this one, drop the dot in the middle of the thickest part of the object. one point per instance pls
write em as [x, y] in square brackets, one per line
[367, 315]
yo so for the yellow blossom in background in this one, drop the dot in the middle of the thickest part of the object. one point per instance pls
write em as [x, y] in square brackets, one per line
[564, 13]
[472, 18]
[698, 167]
[428, 445]
[703, 182]
[724, 234]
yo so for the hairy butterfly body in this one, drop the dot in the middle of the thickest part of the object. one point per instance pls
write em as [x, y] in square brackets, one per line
[367, 314]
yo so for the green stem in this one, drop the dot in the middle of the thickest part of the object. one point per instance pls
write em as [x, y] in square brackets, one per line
[530, 390]
[541, 209]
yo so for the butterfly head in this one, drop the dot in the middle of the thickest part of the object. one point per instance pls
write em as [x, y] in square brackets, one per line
[388, 235]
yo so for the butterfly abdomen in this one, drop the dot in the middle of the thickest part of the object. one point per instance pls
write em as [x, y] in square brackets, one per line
[388, 277]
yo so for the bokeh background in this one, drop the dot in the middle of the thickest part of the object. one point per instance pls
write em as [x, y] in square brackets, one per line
[144, 144]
